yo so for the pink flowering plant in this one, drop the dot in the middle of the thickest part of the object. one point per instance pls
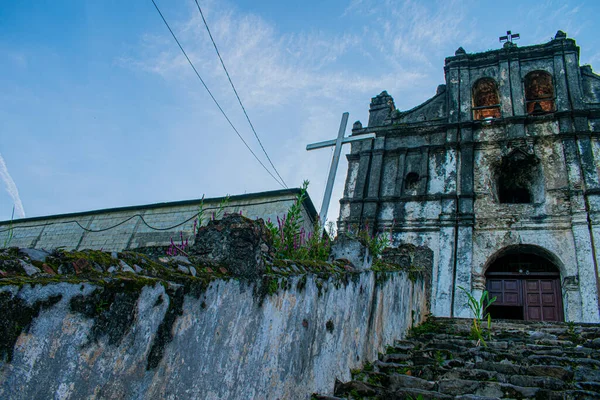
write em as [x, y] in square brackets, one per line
[176, 249]
[290, 239]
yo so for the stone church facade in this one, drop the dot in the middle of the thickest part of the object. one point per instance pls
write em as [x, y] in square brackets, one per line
[497, 174]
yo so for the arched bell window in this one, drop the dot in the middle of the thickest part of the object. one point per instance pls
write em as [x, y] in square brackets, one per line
[539, 93]
[486, 102]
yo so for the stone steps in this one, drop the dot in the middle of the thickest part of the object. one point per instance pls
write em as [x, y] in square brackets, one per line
[521, 360]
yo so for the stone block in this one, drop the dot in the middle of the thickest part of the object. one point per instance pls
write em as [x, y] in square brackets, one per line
[544, 382]
[236, 243]
[29, 269]
[183, 269]
[35, 254]
[562, 373]
[352, 250]
[399, 381]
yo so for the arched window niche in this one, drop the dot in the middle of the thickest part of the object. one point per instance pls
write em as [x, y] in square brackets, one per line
[411, 182]
[520, 179]
[486, 102]
[539, 93]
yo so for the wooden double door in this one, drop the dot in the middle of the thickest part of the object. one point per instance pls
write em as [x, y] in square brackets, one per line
[526, 286]
[527, 298]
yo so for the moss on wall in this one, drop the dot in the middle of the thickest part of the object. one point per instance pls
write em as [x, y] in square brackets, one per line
[17, 318]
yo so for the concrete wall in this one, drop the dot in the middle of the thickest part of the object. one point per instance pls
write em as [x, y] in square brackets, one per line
[227, 342]
[160, 223]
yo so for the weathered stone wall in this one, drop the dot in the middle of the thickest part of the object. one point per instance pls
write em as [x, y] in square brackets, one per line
[123, 228]
[231, 341]
[451, 203]
[554, 222]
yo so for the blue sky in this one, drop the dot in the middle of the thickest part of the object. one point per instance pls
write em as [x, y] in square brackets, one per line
[98, 107]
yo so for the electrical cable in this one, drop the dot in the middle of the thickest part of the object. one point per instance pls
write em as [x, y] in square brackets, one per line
[213, 97]
[137, 215]
[236, 93]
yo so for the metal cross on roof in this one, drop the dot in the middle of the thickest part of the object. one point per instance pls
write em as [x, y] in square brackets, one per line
[509, 37]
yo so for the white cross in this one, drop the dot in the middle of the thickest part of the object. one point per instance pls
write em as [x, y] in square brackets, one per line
[336, 159]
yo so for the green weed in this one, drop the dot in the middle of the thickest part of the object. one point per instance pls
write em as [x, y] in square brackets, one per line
[290, 239]
[427, 326]
[479, 309]
[439, 358]
[9, 235]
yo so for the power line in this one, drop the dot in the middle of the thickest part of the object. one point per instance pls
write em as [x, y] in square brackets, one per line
[236, 93]
[213, 97]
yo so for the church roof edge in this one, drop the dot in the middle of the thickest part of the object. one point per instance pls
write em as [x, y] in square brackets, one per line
[559, 43]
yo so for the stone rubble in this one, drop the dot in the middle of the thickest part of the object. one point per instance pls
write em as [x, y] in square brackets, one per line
[241, 244]
[29, 269]
[233, 246]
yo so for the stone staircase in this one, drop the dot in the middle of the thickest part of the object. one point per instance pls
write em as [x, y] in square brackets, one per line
[439, 360]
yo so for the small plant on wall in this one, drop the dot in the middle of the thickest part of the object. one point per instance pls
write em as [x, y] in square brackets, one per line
[481, 316]
[376, 243]
[175, 250]
[9, 231]
[291, 240]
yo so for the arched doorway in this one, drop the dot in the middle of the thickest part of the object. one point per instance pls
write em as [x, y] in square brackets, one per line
[527, 286]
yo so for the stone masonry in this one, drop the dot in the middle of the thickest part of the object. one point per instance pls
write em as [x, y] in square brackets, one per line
[520, 361]
[497, 173]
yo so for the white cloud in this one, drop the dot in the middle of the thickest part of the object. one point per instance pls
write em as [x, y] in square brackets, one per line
[11, 188]
[552, 15]
[308, 77]
[411, 32]
[266, 66]
[353, 7]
